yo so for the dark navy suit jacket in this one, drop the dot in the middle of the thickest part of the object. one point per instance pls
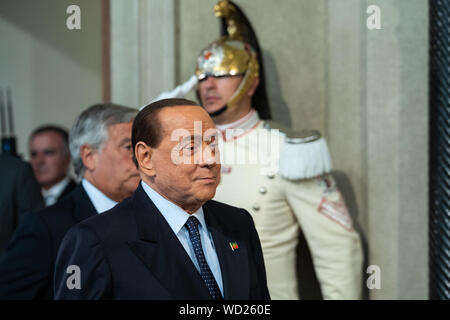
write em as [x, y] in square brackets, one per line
[67, 190]
[26, 268]
[130, 252]
[19, 194]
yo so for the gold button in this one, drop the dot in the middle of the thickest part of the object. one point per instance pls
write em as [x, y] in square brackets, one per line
[256, 206]
[263, 190]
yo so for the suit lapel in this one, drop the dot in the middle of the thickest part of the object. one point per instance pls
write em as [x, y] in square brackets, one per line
[233, 263]
[162, 253]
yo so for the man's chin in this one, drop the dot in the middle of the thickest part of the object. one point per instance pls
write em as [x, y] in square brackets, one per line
[207, 194]
[212, 108]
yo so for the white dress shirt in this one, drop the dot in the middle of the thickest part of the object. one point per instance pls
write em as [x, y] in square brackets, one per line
[101, 202]
[176, 218]
[51, 195]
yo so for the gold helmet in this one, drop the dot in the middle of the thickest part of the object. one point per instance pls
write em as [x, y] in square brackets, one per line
[229, 57]
[237, 52]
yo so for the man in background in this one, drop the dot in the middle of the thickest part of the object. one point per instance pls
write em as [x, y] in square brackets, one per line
[19, 194]
[100, 145]
[50, 160]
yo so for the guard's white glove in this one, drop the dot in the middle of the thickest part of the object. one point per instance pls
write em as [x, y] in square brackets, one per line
[179, 92]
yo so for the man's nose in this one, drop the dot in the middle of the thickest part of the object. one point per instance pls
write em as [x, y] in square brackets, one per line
[39, 159]
[210, 82]
[210, 157]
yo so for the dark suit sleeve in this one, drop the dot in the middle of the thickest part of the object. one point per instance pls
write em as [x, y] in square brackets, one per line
[81, 270]
[28, 193]
[25, 265]
[259, 290]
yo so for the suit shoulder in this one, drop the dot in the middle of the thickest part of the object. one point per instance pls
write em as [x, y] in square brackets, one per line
[32, 223]
[231, 212]
[14, 167]
[12, 162]
[113, 222]
[62, 210]
[222, 206]
[82, 232]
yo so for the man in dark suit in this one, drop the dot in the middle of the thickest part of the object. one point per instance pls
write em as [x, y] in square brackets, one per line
[19, 194]
[169, 240]
[100, 145]
[50, 160]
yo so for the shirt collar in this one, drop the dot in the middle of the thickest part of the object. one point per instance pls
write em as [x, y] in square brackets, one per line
[100, 201]
[57, 189]
[174, 215]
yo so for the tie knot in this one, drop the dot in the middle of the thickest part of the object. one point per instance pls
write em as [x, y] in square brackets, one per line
[192, 224]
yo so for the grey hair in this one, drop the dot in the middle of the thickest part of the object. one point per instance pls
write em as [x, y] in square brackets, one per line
[91, 128]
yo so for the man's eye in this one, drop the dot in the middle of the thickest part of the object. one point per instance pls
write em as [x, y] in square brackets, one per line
[191, 148]
[128, 147]
[49, 152]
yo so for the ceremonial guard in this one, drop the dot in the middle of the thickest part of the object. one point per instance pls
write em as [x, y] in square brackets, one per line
[281, 177]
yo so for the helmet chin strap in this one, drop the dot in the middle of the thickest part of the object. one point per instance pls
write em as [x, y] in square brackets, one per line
[218, 112]
[237, 95]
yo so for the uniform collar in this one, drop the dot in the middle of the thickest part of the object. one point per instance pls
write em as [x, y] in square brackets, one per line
[246, 122]
[237, 128]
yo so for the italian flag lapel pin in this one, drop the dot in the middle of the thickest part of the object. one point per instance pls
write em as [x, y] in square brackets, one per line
[234, 246]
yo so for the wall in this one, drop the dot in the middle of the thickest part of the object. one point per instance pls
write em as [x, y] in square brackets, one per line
[396, 104]
[54, 73]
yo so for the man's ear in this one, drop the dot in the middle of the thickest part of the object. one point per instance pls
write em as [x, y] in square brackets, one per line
[88, 157]
[252, 89]
[144, 158]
